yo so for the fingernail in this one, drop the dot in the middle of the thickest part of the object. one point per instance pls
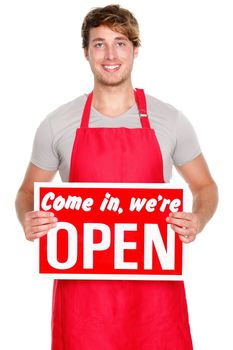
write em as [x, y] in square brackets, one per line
[51, 214]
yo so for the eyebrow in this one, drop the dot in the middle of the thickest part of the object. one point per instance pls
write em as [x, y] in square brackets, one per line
[116, 38]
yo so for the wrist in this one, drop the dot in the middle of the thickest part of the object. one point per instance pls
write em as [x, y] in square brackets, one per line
[201, 220]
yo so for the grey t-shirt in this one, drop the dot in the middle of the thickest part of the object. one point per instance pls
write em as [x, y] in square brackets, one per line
[54, 138]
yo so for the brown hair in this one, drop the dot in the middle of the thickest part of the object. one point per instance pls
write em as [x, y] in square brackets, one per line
[114, 17]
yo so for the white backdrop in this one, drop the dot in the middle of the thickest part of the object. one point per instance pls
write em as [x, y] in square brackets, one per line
[185, 60]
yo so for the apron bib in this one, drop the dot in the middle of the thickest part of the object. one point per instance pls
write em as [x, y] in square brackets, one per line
[118, 315]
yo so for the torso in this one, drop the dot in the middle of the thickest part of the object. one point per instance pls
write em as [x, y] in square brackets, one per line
[164, 119]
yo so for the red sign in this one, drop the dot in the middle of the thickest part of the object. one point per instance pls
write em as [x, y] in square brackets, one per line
[110, 231]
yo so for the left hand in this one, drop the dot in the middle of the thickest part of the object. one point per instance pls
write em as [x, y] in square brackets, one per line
[187, 225]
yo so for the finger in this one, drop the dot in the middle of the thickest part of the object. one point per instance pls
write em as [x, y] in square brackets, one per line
[32, 236]
[38, 231]
[188, 239]
[43, 221]
[40, 234]
[182, 231]
[34, 232]
[181, 215]
[179, 222]
[38, 214]
[41, 228]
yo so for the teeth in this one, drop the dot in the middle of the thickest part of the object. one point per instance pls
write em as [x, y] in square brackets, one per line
[111, 67]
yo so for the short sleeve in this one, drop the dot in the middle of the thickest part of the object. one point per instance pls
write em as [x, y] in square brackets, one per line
[43, 153]
[187, 145]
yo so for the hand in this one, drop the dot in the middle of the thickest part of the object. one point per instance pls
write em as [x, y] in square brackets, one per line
[37, 224]
[187, 225]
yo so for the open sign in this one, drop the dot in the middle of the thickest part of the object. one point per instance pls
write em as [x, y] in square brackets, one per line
[110, 231]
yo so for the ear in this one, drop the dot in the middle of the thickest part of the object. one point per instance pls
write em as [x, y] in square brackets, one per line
[86, 53]
[135, 52]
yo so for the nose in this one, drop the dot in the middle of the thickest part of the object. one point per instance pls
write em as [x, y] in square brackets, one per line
[110, 52]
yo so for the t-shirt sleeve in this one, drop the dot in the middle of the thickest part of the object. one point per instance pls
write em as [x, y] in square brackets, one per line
[43, 152]
[187, 145]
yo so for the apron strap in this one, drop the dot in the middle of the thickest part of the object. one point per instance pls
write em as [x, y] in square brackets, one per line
[141, 103]
[86, 111]
[142, 108]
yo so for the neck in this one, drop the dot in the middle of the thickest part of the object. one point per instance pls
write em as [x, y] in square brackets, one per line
[113, 100]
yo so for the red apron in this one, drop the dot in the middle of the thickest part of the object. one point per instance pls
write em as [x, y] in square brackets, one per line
[118, 315]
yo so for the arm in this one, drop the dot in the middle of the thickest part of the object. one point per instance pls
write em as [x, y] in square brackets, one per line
[205, 199]
[34, 223]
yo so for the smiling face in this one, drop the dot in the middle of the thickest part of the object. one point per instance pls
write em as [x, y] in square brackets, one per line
[111, 56]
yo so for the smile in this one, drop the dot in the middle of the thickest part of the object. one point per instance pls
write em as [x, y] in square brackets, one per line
[111, 68]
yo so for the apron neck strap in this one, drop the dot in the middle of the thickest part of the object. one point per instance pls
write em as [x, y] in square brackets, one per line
[141, 103]
[142, 108]
[86, 111]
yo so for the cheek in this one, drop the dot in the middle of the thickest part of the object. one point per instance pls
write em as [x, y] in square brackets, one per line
[96, 54]
[127, 54]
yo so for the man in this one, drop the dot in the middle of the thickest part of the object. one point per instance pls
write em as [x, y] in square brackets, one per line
[117, 134]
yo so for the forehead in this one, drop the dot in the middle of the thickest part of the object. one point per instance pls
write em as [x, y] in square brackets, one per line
[105, 33]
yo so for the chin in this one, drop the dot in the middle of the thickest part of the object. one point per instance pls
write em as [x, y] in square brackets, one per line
[111, 82]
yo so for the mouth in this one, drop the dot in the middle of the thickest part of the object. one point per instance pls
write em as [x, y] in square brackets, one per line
[111, 68]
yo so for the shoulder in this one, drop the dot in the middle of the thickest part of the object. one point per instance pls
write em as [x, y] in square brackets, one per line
[166, 114]
[67, 114]
[174, 130]
[161, 109]
[61, 122]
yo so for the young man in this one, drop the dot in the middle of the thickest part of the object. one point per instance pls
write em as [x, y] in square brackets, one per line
[116, 134]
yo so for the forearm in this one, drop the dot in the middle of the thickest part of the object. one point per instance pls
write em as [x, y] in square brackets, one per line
[205, 199]
[24, 203]
[35, 223]
[205, 202]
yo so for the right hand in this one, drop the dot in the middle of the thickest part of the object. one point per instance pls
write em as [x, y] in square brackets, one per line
[37, 224]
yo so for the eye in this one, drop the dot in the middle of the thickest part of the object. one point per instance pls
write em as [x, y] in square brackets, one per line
[121, 44]
[99, 45]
